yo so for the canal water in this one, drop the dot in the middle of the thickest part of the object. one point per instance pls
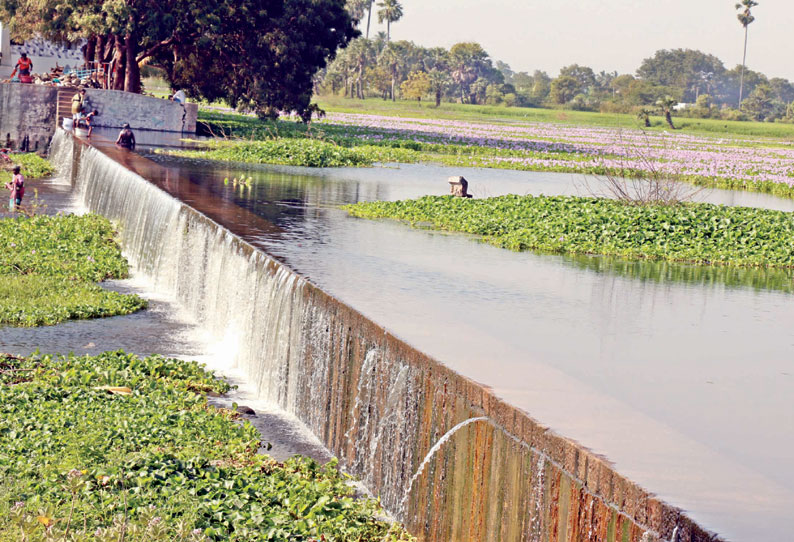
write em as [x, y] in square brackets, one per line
[682, 376]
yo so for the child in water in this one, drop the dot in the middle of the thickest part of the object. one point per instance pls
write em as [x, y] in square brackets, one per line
[17, 188]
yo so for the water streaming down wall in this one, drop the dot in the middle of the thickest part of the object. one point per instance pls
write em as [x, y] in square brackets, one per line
[378, 404]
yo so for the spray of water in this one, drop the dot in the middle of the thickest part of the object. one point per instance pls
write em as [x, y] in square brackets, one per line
[436, 447]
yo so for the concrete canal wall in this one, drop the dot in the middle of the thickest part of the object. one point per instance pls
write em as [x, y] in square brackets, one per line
[447, 457]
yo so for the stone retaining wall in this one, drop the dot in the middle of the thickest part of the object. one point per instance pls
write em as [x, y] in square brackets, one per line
[27, 110]
[141, 112]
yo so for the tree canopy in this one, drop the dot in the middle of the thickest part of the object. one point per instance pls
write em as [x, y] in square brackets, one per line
[258, 53]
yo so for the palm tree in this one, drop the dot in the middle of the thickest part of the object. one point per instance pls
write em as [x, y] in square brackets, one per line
[391, 11]
[666, 105]
[745, 18]
[369, 17]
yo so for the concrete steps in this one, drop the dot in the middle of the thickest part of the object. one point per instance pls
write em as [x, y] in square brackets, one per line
[64, 108]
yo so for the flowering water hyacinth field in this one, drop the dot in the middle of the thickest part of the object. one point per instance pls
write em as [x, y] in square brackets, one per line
[735, 163]
[759, 164]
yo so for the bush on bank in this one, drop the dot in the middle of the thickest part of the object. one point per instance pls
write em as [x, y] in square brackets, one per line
[48, 265]
[691, 232]
[117, 447]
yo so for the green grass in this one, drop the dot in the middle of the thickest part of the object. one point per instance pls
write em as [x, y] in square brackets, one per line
[48, 266]
[500, 113]
[154, 462]
[693, 232]
[33, 167]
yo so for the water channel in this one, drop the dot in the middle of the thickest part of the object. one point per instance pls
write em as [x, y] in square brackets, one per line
[682, 376]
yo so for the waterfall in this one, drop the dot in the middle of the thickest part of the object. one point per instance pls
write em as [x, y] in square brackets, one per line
[384, 408]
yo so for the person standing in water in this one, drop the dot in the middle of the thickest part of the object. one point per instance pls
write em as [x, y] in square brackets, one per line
[17, 188]
[126, 138]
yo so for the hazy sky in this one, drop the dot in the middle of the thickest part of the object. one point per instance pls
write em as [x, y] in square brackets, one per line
[603, 34]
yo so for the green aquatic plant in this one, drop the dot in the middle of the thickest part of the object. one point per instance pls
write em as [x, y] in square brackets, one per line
[688, 232]
[33, 167]
[115, 446]
[48, 265]
[295, 152]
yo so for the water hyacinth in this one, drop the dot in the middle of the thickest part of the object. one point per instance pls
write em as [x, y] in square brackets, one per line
[748, 163]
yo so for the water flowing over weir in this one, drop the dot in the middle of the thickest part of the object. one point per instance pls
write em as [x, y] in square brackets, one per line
[388, 411]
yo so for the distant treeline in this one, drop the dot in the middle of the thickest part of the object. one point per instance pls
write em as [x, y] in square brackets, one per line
[465, 73]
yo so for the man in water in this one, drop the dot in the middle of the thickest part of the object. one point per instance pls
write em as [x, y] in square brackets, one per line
[24, 65]
[126, 139]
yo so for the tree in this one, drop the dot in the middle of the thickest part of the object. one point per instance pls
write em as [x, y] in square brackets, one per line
[261, 54]
[361, 53]
[783, 89]
[681, 69]
[468, 63]
[666, 105]
[726, 87]
[564, 88]
[585, 78]
[356, 8]
[745, 18]
[762, 104]
[390, 11]
[439, 82]
[541, 86]
[260, 64]
[416, 86]
[644, 114]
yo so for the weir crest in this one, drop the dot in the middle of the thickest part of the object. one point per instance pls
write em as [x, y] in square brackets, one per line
[396, 418]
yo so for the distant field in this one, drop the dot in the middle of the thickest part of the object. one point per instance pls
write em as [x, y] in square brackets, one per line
[496, 113]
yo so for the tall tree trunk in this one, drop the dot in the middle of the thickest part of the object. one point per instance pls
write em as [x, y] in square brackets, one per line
[89, 52]
[393, 80]
[119, 61]
[369, 17]
[669, 118]
[132, 79]
[438, 97]
[741, 75]
[388, 30]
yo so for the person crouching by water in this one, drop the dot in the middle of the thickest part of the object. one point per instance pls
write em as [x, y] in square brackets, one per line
[126, 139]
[17, 188]
[85, 121]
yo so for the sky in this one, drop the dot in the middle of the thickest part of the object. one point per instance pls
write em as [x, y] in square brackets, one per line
[606, 35]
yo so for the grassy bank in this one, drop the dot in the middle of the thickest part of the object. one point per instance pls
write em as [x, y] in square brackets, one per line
[699, 233]
[33, 167]
[48, 266]
[149, 460]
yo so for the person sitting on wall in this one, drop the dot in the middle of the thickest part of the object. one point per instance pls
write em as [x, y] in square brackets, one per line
[179, 97]
[77, 102]
[126, 139]
[24, 65]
